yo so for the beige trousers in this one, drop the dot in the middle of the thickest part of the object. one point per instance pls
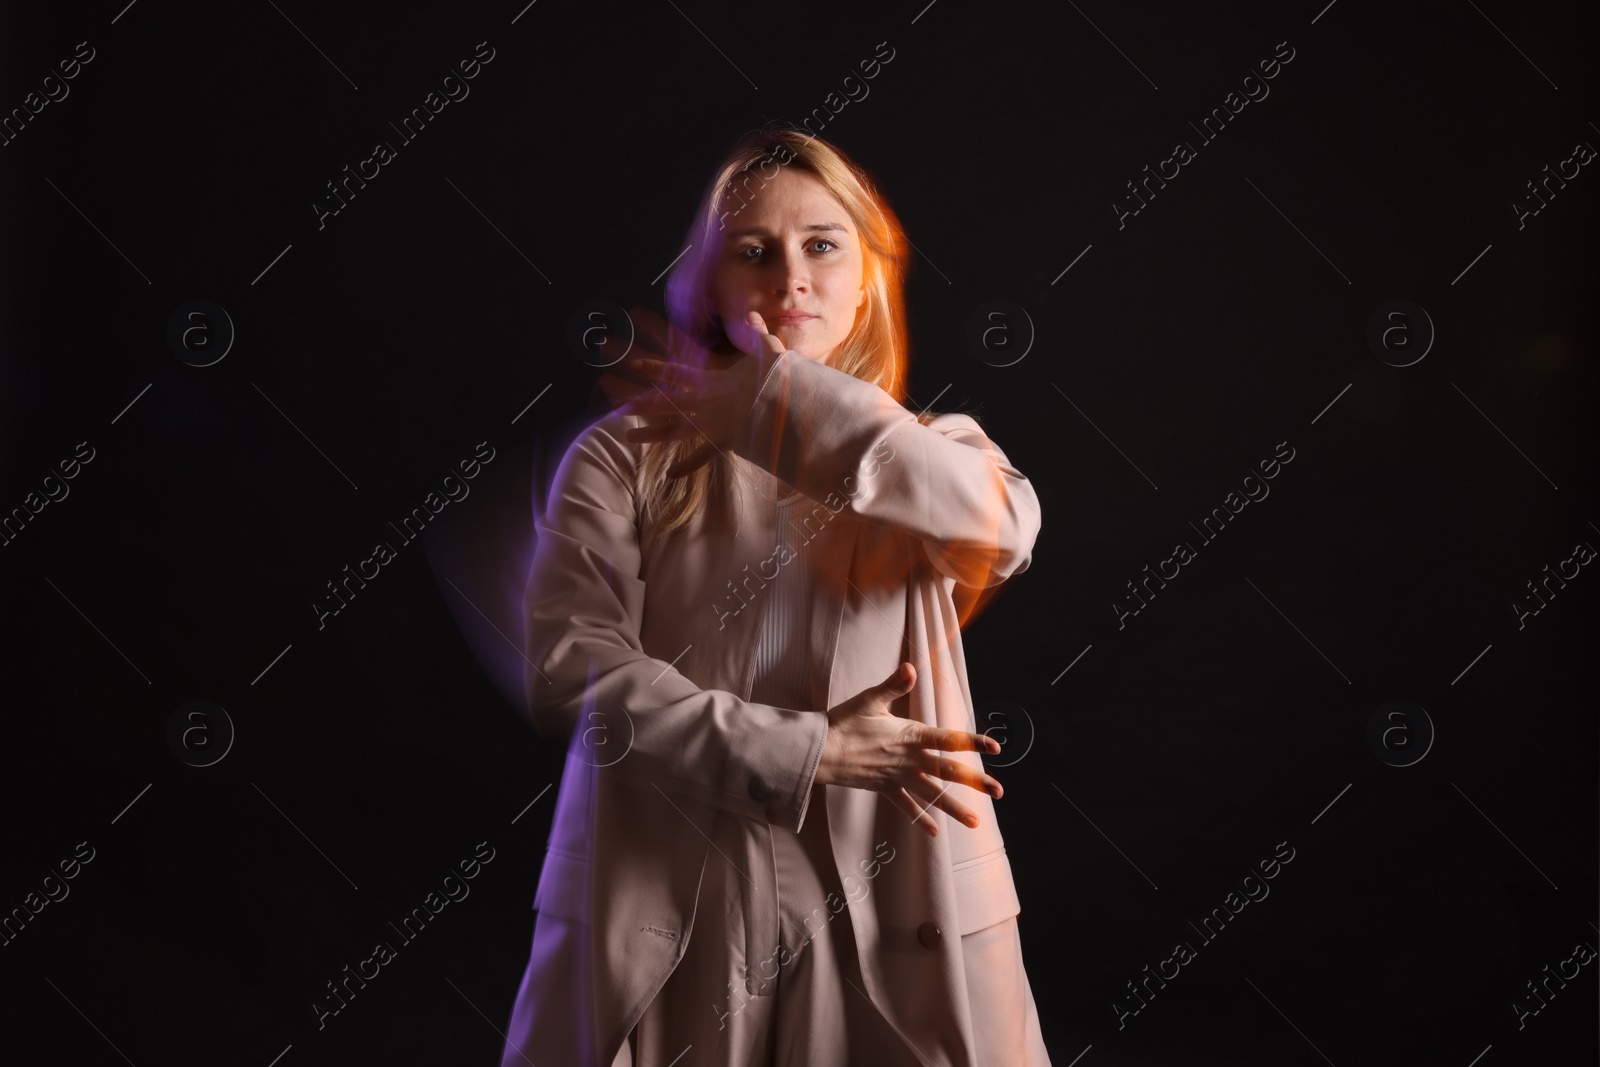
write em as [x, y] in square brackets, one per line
[770, 976]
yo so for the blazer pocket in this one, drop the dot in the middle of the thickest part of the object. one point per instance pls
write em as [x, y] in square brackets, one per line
[985, 892]
[561, 885]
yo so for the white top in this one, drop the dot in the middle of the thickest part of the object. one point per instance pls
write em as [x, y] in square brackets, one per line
[782, 666]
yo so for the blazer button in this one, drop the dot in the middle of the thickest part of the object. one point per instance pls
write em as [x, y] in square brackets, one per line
[760, 789]
[928, 933]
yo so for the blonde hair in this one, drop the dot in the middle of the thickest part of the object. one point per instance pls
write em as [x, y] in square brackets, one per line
[874, 350]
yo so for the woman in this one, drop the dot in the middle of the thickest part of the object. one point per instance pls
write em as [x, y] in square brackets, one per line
[745, 609]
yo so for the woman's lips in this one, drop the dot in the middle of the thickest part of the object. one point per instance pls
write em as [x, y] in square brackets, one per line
[789, 318]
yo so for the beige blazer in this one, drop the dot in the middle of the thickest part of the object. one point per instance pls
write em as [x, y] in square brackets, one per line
[643, 662]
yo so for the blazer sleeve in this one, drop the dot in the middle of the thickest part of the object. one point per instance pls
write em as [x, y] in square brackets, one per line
[828, 433]
[587, 669]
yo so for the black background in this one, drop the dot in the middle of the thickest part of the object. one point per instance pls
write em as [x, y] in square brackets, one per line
[1230, 715]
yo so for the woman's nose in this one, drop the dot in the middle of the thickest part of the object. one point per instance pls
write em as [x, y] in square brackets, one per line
[793, 276]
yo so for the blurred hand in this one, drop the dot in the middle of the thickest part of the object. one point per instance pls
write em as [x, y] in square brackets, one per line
[704, 394]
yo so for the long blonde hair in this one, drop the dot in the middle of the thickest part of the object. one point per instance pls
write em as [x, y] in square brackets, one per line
[874, 350]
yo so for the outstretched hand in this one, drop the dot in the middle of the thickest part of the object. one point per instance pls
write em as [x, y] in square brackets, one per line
[703, 394]
[867, 746]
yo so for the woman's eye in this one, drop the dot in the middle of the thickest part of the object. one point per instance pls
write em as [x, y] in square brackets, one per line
[743, 253]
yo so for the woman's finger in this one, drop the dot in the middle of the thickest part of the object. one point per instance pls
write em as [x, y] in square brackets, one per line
[654, 402]
[761, 337]
[665, 374]
[620, 389]
[649, 328]
[614, 353]
[937, 794]
[672, 398]
[961, 741]
[664, 369]
[914, 811]
[632, 352]
[938, 766]
[694, 461]
[663, 432]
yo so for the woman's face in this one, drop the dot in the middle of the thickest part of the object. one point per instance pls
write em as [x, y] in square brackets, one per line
[792, 250]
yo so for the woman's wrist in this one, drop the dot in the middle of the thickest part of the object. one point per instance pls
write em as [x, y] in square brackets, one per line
[825, 760]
